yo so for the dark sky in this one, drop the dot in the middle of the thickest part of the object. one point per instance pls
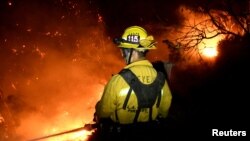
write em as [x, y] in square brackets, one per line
[59, 53]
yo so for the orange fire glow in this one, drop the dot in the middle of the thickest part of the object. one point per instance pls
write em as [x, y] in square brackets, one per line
[199, 30]
[76, 116]
[74, 136]
[199, 33]
[210, 52]
[208, 48]
[55, 74]
[57, 77]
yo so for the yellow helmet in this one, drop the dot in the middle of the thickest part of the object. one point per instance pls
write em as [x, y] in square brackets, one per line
[137, 38]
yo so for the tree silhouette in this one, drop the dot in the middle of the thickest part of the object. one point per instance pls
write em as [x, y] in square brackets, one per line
[227, 18]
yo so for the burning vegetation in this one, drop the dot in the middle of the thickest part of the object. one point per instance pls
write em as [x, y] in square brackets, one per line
[56, 56]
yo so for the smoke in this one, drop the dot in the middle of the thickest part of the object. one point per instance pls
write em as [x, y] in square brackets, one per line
[58, 55]
[55, 61]
[64, 92]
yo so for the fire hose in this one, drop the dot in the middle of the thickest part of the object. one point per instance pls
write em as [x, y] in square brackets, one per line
[88, 127]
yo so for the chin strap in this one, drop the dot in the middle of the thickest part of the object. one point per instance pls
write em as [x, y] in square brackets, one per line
[127, 53]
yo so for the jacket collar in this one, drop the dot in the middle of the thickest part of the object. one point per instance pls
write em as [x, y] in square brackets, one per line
[139, 63]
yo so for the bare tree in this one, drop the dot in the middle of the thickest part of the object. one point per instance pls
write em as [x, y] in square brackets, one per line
[229, 18]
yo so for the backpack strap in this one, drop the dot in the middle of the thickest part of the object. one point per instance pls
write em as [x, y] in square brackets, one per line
[127, 98]
[146, 93]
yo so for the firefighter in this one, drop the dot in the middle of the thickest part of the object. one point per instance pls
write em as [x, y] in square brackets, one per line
[138, 96]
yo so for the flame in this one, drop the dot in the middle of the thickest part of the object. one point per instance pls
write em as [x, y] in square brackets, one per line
[208, 47]
[68, 117]
[198, 35]
[100, 19]
[54, 75]
[63, 125]
[13, 86]
[199, 27]
[210, 52]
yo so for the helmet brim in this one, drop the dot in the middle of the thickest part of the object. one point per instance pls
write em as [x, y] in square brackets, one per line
[136, 46]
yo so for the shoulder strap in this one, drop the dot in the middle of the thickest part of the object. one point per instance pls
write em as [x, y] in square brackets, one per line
[128, 78]
[146, 94]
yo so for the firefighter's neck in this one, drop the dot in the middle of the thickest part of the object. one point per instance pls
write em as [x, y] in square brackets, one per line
[136, 57]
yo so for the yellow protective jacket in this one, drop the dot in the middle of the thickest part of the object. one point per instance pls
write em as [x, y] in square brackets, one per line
[116, 90]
